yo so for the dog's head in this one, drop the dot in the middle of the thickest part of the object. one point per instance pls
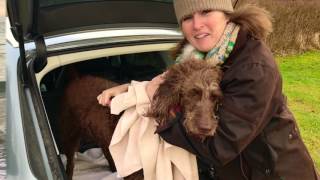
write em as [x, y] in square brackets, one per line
[193, 86]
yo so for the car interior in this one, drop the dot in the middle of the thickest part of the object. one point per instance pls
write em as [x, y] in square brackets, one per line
[118, 68]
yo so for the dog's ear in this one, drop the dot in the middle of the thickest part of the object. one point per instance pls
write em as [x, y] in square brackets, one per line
[167, 97]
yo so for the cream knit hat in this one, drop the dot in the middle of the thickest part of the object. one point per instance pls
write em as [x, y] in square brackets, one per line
[188, 7]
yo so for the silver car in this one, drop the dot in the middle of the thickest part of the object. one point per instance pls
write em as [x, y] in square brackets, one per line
[122, 40]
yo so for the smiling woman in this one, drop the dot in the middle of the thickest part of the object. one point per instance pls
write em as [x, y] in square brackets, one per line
[257, 136]
[204, 29]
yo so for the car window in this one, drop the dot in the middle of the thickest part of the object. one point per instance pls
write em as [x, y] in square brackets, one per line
[44, 3]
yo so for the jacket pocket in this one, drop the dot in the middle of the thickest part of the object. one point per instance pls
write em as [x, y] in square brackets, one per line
[261, 159]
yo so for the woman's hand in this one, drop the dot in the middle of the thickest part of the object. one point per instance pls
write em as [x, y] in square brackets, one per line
[105, 97]
[154, 84]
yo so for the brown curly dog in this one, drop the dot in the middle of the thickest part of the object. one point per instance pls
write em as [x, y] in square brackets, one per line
[82, 118]
[193, 87]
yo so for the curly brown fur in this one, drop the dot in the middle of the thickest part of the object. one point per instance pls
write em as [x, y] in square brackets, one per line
[193, 86]
[82, 118]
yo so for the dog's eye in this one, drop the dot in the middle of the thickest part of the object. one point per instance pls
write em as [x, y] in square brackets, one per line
[215, 94]
[213, 97]
[195, 93]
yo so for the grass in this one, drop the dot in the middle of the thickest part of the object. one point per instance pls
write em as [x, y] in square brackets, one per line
[301, 81]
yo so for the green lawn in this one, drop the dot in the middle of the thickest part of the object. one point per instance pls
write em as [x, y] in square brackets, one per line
[301, 81]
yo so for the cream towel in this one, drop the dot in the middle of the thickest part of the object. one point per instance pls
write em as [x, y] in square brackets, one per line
[135, 145]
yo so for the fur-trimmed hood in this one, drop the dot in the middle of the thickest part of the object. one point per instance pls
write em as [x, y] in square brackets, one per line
[256, 20]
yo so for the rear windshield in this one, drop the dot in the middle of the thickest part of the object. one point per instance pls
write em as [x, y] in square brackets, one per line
[44, 3]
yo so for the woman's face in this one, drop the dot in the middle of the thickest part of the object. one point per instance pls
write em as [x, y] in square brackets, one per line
[203, 29]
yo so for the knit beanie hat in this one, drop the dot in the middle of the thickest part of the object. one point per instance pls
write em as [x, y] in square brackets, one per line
[187, 7]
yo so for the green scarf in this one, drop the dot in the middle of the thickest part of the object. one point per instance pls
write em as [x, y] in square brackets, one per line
[219, 53]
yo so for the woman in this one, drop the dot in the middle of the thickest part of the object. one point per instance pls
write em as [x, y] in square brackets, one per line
[257, 137]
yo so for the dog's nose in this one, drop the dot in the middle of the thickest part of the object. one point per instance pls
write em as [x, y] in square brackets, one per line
[204, 131]
[206, 127]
